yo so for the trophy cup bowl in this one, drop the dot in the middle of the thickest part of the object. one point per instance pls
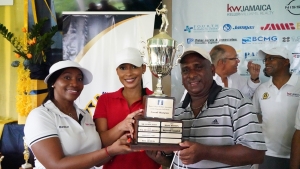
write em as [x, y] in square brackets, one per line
[161, 53]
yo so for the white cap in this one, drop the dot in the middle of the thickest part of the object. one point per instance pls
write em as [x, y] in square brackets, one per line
[87, 75]
[129, 55]
[281, 51]
[195, 49]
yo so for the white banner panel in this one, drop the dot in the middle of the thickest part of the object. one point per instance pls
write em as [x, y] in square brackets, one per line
[248, 26]
[6, 2]
[94, 38]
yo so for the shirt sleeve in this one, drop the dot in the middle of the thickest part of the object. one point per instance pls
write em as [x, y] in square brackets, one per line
[246, 129]
[101, 109]
[246, 86]
[255, 101]
[39, 125]
[297, 122]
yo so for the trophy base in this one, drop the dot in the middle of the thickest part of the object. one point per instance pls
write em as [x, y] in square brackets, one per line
[26, 166]
[158, 147]
[156, 134]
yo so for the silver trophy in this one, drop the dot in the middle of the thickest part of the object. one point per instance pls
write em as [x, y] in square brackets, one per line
[156, 129]
[161, 50]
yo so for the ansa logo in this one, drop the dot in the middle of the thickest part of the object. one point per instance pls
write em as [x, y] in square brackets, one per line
[278, 26]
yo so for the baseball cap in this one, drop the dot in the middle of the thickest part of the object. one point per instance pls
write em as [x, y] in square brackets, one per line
[281, 51]
[195, 49]
[129, 55]
[87, 75]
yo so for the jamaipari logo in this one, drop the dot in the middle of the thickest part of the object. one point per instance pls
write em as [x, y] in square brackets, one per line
[280, 26]
[293, 7]
[249, 10]
[228, 27]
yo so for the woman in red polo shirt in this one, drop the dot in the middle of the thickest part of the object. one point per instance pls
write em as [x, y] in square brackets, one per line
[114, 111]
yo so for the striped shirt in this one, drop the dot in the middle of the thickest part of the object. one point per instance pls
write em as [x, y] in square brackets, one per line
[227, 119]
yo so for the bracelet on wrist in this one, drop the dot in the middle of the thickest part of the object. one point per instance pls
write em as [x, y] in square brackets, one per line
[107, 152]
[254, 80]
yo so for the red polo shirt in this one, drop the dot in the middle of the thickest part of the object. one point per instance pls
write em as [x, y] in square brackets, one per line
[114, 107]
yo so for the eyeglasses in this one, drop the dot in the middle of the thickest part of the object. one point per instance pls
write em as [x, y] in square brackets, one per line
[271, 59]
[236, 58]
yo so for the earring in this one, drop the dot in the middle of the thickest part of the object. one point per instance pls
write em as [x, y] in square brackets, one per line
[52, 86]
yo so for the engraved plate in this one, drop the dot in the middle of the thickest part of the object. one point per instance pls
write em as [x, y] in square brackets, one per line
[159, 107]
[148, 140]
[148, 123]
[148, 134]
[170, 135]
[171, 130]
[171, 124]
[170, 141]
[150, 129]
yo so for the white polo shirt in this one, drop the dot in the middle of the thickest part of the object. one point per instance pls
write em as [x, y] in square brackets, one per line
[48, 121]
[278, 108]
[297, 122]
[236, 81]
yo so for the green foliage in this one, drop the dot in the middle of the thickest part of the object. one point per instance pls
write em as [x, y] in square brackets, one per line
[37, 42]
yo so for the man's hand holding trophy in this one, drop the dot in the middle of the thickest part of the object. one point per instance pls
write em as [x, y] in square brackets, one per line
[156, 129]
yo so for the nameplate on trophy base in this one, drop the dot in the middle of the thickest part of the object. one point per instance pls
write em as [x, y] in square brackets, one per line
[159, 107]
[156, 134]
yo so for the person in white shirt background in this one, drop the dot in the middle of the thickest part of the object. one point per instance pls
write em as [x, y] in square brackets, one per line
[277, 100]
[225, 60]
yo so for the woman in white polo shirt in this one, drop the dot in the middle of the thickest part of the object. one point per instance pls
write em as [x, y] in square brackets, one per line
[60, 134]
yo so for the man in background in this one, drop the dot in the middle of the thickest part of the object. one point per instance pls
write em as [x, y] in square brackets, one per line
[225, 60]
[277, 101]
[295, 154]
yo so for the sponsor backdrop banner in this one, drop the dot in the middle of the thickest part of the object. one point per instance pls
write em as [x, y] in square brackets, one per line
[246, 25]
[93, 39]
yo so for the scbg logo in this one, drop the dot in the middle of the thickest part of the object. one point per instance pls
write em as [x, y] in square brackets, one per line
[259, 39]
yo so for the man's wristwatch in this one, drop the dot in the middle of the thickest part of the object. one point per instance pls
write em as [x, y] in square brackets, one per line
[167, 155]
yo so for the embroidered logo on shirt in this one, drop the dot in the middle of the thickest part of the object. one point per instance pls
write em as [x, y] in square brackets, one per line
[265, 96]
[215, 122]
[63, 127]
[160, 102]
[89, 124]
[292, 94]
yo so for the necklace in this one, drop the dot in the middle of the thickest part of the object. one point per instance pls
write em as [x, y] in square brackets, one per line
[200, 107]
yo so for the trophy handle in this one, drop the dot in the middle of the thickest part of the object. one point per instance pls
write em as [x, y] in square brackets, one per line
[179, 56]
[144, 44]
